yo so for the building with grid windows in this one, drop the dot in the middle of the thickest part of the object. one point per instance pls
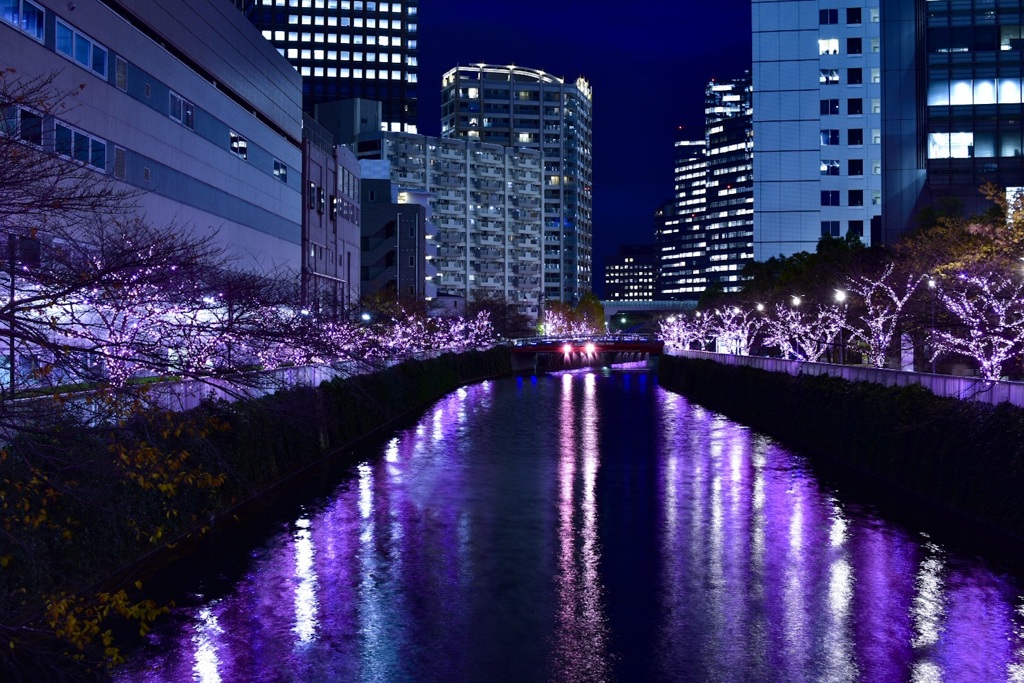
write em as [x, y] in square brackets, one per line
[212, 142]
[817, 122]
[952, 104]
[630, 274]
[347, 49]
[526, 108]
[704, 237]
[485, 203]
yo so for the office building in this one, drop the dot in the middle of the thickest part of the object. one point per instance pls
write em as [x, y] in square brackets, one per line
[212, 140]
[330, 223]
[526, 108]
[727, 225]
[630, 274]
[486, 205]
[348, 49]
[704, 237]
[817, 100]
[678, 233]
[952, 104]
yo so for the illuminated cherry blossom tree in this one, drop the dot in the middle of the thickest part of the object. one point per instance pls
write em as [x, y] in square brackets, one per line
[801, 334]
[883, 303]
[682, 331]
[735, 328]
[990, 308]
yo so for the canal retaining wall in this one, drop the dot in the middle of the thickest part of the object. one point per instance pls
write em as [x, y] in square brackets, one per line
[965, 456]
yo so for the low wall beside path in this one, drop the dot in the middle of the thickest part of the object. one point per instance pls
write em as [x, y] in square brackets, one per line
[964, 388]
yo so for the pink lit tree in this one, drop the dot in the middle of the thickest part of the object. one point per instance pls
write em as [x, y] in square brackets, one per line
[682, 331]
[803, 335]
[883, 303]
[990, 310]
[735, 328]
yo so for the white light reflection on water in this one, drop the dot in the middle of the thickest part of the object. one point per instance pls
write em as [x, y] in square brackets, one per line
[581, 629]
[306, 602]
[206, 666]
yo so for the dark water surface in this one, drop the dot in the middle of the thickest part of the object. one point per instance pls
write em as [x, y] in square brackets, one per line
[591, 526]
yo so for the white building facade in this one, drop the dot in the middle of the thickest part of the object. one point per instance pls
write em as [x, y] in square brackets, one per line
[816, 122]
[211, 138]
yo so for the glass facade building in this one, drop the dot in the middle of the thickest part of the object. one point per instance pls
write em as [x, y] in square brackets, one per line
[348, 49]
[526, 108]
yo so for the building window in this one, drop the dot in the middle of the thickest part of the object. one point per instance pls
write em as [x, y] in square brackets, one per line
[854, 46]
[120, 163]
[182, 111]
[829, 107]
[855, 167]
[311, 195]
[830, 198]
[121, 74]
[856, 229]
[78, 47]
[74, 144]
[855, 198]
[828, 16]
[239, 146]
[23, 15]
[829, 76]
[829, 167]
[21, 123]
[855, 76]
[830, 228]
[855, 136]
[830, 136]
[828, 46]
[321, 200]
[853, 15]
[855, 106]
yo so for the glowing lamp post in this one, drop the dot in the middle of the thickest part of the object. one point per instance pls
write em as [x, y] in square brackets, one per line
[841, 299]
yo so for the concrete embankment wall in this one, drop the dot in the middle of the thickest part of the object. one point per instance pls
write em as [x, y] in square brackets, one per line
[964, 456]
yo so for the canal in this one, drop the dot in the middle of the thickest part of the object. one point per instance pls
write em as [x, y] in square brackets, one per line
[590, 526]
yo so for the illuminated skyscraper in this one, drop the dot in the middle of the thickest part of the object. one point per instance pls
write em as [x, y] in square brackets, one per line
[517, 107]
[347, 49]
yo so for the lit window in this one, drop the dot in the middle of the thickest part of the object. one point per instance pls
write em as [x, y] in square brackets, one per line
[239, 146]
[829, 167]
[280, 171]
[829, 76]
[830, 137]
[828, 46]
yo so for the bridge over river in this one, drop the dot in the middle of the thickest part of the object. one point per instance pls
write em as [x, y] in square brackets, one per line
[557, 353]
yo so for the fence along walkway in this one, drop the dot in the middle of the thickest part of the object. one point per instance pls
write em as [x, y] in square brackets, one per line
[963, 388]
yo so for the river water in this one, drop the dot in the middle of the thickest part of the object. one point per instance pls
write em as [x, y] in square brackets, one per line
[590, 526]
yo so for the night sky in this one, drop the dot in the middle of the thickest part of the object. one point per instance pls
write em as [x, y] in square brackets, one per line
[648, 63]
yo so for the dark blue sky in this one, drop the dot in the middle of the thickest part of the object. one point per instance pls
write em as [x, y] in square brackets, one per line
[648, 63]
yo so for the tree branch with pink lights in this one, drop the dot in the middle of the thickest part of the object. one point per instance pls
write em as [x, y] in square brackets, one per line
[883, 302]
[990, 310]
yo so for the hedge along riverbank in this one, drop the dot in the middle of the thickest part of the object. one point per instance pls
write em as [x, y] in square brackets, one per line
[963, 456]
[138, 493]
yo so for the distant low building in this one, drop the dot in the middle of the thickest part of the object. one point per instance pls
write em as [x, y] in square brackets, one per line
[630, 274]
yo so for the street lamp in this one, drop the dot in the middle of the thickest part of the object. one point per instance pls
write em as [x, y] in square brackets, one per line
[796, 300]
[841, 299]
[931, 343]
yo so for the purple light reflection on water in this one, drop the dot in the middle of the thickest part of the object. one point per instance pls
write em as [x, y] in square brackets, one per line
[480, 545]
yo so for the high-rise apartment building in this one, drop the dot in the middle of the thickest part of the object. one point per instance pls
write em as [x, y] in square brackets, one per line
[679, 241]
[817, 121]
[486, 207]
[347, 49]
[526, 108]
